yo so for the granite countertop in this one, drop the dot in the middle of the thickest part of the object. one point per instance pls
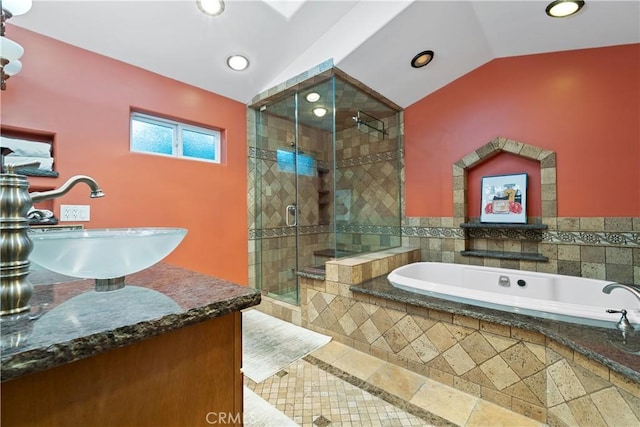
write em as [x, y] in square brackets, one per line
[605, 345]
[69, 321]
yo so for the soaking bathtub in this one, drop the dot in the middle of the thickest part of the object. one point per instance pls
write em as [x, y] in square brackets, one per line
[553, 296]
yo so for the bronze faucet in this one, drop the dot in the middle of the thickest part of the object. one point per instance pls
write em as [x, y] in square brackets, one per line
[15, 244]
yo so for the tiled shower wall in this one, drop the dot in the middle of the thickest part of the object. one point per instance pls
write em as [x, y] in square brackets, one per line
[367, 176]
[368, 165]
[364, 157]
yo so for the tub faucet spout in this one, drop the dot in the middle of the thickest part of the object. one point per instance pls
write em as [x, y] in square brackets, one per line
[611, 286]
[64, 189]
[504, 281]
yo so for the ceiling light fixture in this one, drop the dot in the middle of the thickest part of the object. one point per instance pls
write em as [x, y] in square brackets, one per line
[422, 59]
[10, 51]
[237, 62]
[313, 97]
[563, 8]
[320, 111]
[211, 7]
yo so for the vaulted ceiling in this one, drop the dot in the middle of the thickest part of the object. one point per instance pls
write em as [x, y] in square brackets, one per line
[371, 40]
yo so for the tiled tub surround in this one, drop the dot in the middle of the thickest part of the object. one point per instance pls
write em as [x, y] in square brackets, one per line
[352, 270]
[196, 298]
[606, 248]
[554, 372]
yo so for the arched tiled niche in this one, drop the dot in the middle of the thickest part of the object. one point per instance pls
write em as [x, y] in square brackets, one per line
[546, 158]
[547, 161]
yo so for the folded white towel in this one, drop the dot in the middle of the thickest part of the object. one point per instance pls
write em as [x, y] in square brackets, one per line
[39, 213]
[46, 163]
[23, 148]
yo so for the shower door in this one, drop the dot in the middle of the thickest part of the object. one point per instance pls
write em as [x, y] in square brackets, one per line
[276, 200]
[293, 197]
[276, 207]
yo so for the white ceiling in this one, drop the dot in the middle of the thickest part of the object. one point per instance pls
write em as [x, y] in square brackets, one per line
[371, 40]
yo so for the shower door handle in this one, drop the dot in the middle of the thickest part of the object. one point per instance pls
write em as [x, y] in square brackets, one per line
[292, 211]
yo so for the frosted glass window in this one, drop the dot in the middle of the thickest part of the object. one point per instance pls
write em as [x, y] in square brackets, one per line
[287, 163]
[305, 165]
[165, 137]
[199, 145]
[151, 137]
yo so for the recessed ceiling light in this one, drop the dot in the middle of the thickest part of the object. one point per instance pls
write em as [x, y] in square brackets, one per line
[313, 97]
[564, 8]
[237, 62]
[320, 111]
[422, 59]
[211, 7]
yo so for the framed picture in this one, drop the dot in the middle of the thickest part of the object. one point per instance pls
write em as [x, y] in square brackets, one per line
[504, 199]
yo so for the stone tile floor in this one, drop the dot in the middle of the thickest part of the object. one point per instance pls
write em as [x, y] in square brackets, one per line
[340, 386]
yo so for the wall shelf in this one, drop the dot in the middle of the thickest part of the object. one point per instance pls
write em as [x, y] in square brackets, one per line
[324, 197]
[505, 232]
[505, 255]
[34, 136]
[530, 232]
[509, 226]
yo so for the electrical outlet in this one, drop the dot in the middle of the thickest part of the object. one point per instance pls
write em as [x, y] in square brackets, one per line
[75, 212]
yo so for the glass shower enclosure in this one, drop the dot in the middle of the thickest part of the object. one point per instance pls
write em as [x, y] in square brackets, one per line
[326, 171]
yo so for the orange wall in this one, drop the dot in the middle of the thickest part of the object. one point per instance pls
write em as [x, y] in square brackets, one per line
[85, 99]
[582, 104]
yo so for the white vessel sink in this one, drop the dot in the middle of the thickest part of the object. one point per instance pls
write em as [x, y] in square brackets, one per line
[103, 253]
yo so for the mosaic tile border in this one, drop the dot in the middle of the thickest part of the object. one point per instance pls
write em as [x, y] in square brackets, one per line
[370, 158]
[437, 232]
[384, 230]
[259, 153]
[396, 401]
[357, 161]
[267, 233]
[631, 239]
[600, 238]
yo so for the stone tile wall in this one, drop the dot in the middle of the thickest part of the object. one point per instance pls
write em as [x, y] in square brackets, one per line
[365, 157]
[604, 248]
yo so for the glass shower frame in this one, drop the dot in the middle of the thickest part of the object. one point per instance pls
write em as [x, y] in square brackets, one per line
[340, 193]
